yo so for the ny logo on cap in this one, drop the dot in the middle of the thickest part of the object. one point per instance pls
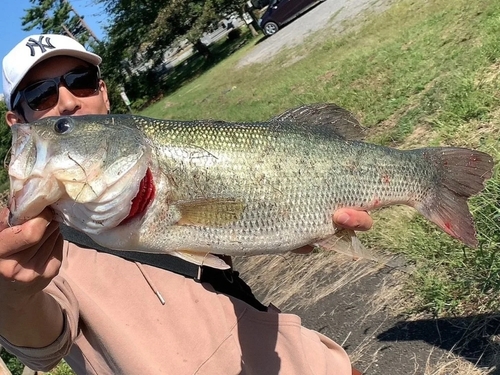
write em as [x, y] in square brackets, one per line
[32, 43]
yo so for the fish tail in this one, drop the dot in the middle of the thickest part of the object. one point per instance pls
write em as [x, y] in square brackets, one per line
[460, 173]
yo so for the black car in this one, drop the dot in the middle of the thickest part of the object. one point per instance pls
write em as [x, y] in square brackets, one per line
[280, 12]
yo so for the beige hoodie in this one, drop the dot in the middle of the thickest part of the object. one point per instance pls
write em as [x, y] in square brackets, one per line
[116, 323]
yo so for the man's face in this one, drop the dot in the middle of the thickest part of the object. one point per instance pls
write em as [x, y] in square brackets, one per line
[68, 103]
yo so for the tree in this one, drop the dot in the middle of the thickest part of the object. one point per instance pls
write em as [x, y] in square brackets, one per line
[139, 34]
[5, 142]
[146, 29]
[142, 31]
[58, 17]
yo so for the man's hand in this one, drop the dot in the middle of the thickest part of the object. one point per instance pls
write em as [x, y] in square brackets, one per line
[30, 257]
[349, 218]
[346, 218]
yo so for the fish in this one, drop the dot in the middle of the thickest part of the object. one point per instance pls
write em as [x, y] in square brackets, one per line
[195, 189]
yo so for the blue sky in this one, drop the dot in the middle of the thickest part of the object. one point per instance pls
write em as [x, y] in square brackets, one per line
[12, 32]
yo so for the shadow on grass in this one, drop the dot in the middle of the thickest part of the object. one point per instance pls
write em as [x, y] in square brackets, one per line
[152, 85]
[197, 64]
[473, 337]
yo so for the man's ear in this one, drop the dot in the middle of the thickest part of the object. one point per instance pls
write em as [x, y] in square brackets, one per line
[13, 118]
[104, 89]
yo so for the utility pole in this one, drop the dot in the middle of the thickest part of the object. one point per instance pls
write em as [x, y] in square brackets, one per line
[82, 21]
[66, 30]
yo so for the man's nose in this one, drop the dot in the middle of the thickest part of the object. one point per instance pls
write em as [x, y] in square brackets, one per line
[68, 103]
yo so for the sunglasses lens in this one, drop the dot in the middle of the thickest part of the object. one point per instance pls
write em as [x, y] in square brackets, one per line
[82, 83]
[42, 95]
[45, 94]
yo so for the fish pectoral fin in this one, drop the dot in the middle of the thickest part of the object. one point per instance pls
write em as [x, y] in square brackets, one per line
[210, 212]
[202, 259]
[346, 242]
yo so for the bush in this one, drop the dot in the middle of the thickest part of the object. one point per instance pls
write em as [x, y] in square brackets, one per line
[13, 364]
[234, 34]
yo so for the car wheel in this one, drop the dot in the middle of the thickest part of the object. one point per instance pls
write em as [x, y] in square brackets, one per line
[270, 28]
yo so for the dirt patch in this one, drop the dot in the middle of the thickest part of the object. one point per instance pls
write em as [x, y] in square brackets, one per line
[360, 304]
[421, 135]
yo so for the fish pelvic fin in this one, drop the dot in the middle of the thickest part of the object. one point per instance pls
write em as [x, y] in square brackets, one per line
[201, 259]
[346, 242]
[461, 174]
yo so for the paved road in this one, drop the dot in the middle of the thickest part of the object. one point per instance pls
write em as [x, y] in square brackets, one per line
[328, 13]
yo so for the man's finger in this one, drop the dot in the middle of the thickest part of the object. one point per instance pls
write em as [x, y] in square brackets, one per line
[20, 237]
[350, 218]
[4, 218]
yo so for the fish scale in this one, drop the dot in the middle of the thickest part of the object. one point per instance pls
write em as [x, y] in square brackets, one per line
[232, 188]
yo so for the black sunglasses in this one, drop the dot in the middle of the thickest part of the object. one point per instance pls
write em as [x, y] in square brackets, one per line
[43, 95]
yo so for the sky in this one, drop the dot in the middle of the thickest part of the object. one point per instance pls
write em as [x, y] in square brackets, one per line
[12, 32]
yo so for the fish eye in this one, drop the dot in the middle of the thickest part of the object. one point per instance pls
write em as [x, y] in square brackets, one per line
[63, 125]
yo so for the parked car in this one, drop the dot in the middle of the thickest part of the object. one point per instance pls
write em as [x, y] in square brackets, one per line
[259, 4]
[280, 12]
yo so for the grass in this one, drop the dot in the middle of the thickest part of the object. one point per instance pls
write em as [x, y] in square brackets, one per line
[375, 72]
[451, 365]
[267, 275]
[422, 73]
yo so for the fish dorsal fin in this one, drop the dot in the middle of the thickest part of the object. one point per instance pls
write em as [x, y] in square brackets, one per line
[210, 212]
[338, 119]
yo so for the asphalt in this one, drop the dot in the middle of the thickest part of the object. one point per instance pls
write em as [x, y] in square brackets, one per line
[334, 14]
[363, 307]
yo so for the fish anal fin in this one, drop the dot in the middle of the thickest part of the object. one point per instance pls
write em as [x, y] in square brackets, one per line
[202, 259]
[346, 242]
[210, 212]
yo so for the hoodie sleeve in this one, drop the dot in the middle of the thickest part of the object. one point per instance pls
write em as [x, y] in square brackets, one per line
[44, 359]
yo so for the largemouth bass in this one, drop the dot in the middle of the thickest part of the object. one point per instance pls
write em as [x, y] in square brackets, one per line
[191, 188]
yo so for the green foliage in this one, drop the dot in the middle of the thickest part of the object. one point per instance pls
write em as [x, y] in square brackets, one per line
[143, 30]
[61, 369]
[16, 367]
[5, 141]
[58, 17]
[140, 34]
[13, 364]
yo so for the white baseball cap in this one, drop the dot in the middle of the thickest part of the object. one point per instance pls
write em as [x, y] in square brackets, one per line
[34, 49]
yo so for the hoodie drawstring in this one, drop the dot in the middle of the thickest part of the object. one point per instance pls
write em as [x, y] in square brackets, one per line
[150, 282]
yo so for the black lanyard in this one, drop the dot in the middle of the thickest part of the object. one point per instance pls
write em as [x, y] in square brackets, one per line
[223, 281]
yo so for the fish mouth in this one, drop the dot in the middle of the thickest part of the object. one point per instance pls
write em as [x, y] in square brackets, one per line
[143, 198]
